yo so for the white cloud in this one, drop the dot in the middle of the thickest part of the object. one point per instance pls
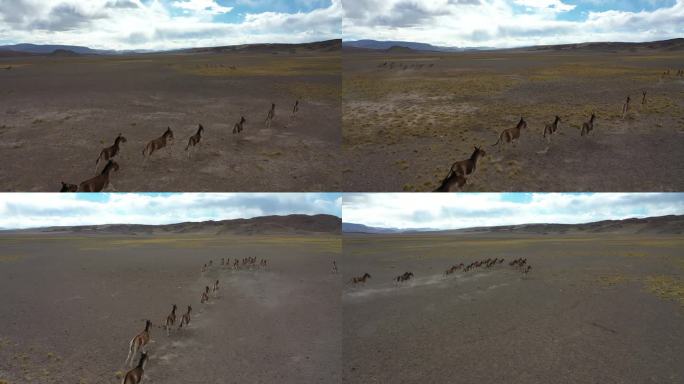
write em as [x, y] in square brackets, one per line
[445, 211]
[202, 6]
[497, 23]
[556, 5]
[133, 24]
[26, 210]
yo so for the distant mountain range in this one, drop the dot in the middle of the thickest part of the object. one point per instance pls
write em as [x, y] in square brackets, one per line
[672, 224]
[393, 45]
[263, 225]
[37, 49]
[407, 46]
[74, 50]
[360, 228]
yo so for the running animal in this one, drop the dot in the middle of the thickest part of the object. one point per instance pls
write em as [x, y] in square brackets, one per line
[239, 125]
[110, 152]
[510, 134]
[362, 279]
[295, 109]
[138, 342]
[550, 129]
[170, 320]
[66, 187]
[270, 116]
[625, 107]
[158, 143]
[135, 375]
[406, 276]
[185, 319]
[466, 167]
[195, 139]
[101, 181]
[588, 126]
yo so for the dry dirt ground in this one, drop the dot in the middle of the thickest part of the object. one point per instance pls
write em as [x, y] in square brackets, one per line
[594, 309]
[71, 304]
[404, 126]
[57, 113]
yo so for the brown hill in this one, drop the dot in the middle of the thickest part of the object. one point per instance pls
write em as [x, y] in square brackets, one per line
[664, 225]
[671, 225]
[264, 225]
[663, 45]
[319, 46]
[8, 53]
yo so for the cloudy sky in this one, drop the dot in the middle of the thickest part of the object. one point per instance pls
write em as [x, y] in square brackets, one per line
[30, 210]
[167, 24]
[462, 210]
[511, 23]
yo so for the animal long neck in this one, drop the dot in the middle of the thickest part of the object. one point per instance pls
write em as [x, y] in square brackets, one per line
[147, 327]
[141, 361]
[107, 168]
[117, 141]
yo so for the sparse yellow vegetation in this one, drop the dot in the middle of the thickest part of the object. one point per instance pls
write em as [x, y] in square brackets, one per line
[613, 279]
[261, 65]
[666, 287]
[9, 258]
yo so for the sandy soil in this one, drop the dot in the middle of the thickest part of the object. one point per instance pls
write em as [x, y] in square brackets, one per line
[71, 304]
[594, 309]
[56, 114]
[404, 126]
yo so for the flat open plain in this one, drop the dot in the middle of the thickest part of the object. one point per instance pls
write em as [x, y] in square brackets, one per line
[72, 302]
[595, 308]
[407, 116]
[57, 113]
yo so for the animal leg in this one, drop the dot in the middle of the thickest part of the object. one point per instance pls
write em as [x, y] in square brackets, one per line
[131, 353]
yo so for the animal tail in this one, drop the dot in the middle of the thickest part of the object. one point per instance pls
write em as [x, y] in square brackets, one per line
[498, 141]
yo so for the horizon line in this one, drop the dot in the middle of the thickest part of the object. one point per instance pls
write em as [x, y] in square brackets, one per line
[427, 229]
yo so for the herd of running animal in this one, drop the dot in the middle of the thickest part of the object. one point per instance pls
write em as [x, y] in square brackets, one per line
[520, 263]
[102, 179]
[247, 262]
[139, 342]
[456, 178]
[457, 175]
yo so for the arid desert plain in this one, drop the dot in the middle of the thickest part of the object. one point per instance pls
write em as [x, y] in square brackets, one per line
[72, 301]
[409, 115]
[57, 112]
[595, 307]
